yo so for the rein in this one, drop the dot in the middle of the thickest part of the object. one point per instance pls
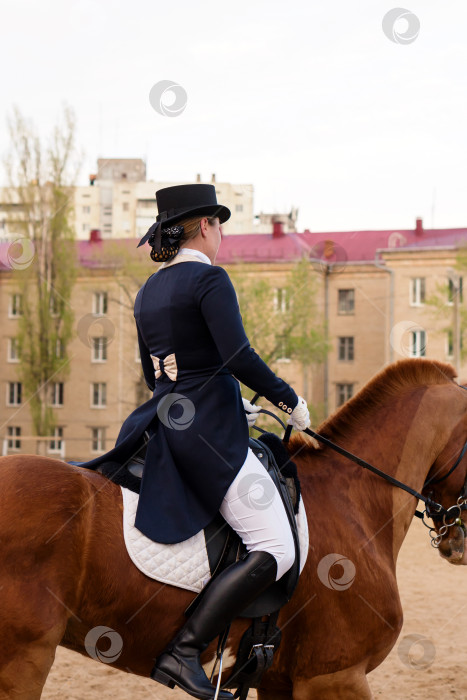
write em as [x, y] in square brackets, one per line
[433, 510]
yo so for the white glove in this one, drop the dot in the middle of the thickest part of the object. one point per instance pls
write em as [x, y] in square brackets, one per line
[300, 419]
[300, 416]
[252, 412]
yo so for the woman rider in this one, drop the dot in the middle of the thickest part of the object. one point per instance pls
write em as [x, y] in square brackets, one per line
[198, 462]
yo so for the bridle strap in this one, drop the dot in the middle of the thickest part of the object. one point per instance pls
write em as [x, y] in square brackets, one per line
[430, 482]
[438, 509]
[387, 477]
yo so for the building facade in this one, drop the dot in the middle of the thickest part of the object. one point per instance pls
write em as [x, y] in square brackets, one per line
[104, 383]
[379, 302]
[121, 203]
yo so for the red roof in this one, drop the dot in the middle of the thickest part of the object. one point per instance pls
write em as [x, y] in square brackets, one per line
[338, 246]
[332, 247]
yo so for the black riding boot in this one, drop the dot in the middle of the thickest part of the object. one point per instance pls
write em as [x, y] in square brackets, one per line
[224, 599]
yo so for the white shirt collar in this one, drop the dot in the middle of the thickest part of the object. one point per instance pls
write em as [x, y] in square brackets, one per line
[192, 251]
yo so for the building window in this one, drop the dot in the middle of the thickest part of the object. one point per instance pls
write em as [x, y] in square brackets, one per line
[454, 289]
[146, 204]
[346, 348]
[99, 349]
[344, 393]
[239, 208]
[125, 206]
[57, 392]
[14, 391]
[13, 350]
[417, 343]
[15, 308]
[450, 343]
[98, 440]
[280, 300]
[98, 395]
[346, 301]
[86, 209]
[100, 303]
[417, 291]
[283, 352]
[86, 227]
[14, 434]
[56, 445]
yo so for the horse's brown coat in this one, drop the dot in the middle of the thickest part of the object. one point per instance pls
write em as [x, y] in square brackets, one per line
[65, 570]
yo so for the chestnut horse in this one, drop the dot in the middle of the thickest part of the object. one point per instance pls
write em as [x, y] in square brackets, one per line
[65, 576]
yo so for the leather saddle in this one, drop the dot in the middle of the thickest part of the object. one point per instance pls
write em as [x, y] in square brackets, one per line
[223, 545]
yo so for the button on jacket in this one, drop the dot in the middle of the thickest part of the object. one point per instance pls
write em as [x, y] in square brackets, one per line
[196, 419]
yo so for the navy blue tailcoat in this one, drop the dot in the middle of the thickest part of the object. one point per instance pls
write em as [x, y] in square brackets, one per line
[197, 424]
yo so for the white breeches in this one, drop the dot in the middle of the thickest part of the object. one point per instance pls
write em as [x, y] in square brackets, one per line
[253, 508]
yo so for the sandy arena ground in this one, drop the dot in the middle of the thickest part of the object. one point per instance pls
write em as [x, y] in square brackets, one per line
[427, 666]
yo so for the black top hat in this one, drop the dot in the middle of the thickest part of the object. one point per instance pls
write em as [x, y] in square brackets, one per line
[176, 203]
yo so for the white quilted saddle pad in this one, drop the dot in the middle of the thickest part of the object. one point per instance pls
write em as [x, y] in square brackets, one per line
[184, 564]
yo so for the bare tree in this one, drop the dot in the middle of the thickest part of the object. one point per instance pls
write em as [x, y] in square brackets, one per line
[41, 175]
[131, 271]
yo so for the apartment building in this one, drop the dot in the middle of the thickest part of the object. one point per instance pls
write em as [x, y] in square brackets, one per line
[374, 294]
[121, 203]
[104, 383]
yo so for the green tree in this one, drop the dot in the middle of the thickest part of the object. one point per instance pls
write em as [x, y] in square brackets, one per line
[306, 336]
[456, 294]
[447, 304]
[281, 322]
[41, 175]
[255, 295]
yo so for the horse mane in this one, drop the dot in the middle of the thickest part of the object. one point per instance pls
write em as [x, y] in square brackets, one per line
[389, 382]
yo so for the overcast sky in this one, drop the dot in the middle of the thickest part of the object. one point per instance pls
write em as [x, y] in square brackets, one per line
[309, 101]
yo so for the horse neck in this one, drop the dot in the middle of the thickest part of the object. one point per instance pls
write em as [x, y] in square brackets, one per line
[402, 438]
